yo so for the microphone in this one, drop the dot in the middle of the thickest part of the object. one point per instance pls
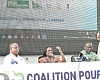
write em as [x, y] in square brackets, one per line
[52, 55]
[80, 54]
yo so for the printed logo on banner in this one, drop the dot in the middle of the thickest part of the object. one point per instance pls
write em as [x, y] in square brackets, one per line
[13, 75]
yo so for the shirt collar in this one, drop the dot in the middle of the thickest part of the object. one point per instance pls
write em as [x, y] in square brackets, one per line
[13, 55]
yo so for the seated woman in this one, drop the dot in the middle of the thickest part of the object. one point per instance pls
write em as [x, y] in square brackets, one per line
[48, 56]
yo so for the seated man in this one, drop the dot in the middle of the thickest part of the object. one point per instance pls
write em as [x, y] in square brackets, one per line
[13, 57]
[92, 56]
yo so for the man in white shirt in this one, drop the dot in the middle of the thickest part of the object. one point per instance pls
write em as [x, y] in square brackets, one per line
[13, 57]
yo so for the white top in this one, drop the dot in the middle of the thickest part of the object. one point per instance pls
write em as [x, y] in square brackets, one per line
[12, 59]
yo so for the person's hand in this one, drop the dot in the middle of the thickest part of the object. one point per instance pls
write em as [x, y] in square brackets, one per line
[59, 49]
[57, 59]
[41, 60]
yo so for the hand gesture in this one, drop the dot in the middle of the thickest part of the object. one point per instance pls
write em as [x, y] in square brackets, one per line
[58, 48]
[57, 59]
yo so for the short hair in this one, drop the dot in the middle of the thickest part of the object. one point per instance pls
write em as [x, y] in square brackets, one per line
[88, 43]
[11, 44]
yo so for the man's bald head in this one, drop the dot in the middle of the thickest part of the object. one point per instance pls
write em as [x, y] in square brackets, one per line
[14, 48]
[88, 47]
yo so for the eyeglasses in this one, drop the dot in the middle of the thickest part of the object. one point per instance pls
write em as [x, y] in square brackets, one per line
[16, 47]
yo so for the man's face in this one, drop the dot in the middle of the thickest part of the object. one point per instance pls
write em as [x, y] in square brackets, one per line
[88, 47]
[49, 51]
[14, 49]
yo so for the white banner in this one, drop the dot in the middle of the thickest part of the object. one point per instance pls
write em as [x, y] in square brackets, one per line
[52, 71]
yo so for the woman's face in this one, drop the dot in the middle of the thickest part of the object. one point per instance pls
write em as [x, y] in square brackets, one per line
[49, 52]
